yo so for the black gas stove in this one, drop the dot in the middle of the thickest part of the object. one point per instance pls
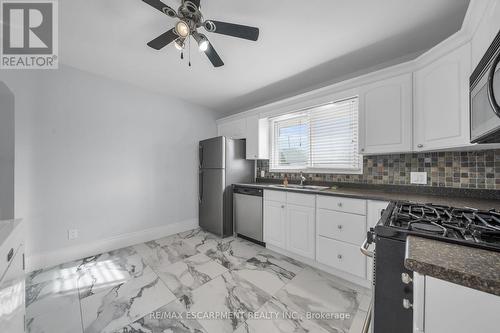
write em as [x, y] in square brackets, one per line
[393, 288]
[465, 226]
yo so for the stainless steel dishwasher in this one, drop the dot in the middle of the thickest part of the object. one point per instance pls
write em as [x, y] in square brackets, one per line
[248, 213]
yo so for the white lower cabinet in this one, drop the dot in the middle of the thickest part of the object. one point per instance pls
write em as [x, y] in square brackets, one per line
[440, 306]
[350, 228]
[341, 229]
[300, 230]
[289, 222]
[327, 229]
[274, 223]
[340, 255]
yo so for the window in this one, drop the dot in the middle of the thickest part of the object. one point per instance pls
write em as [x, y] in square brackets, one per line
[319, 139]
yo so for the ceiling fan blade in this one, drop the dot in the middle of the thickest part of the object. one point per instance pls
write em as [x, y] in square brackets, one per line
[196, 2]
[163, 40]
[161, 7]
[231, 29]
[213, 56]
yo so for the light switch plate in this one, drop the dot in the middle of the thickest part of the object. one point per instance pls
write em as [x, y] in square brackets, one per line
[419, 178]
[262, 173]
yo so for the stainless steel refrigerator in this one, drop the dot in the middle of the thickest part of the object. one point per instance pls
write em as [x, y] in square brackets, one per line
[222, 163]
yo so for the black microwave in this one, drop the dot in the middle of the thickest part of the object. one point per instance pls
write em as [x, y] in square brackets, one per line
[485, 97]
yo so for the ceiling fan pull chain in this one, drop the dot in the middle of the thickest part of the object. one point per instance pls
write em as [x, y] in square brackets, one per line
[189, 51]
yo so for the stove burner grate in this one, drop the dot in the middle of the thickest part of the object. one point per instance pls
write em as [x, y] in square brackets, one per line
[465, 224]
[427, 226]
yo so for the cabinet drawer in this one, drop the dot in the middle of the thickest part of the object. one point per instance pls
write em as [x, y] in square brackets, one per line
[275, 195]
[308, 200]
[355, 206]
[342, 256]
[346, 227]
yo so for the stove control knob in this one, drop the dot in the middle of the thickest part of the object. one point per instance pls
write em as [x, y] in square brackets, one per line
[405, 277]
[407, 304]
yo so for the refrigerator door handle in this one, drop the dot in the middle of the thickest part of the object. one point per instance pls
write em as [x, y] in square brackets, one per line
[200, 153]
[200, 194]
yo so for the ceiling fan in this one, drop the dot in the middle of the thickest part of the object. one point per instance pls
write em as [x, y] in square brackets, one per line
[189, 20]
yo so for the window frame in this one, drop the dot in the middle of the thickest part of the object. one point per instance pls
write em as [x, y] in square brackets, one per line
[308, 169]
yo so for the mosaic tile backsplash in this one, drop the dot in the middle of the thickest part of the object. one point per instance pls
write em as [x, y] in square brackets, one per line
[478, 169]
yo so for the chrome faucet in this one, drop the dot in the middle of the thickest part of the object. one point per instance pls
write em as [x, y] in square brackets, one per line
[302, 179]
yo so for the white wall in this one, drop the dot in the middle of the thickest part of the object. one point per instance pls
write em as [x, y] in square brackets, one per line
[7, 137]
[100, 156]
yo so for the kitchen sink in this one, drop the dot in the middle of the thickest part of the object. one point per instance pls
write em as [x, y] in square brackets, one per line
[302, 187]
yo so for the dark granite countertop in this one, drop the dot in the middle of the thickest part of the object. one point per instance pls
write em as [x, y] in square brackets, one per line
[479, 199]
[467, 266]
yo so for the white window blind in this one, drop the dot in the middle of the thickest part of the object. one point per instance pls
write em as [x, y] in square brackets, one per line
[323, 138]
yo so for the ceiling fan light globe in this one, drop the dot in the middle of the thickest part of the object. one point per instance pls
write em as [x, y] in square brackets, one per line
[182, 29]
[203, 46]
[179, 44]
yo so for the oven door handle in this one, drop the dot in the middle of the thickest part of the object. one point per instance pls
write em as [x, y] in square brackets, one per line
[491, 88]
[366, 244]
[364, 248]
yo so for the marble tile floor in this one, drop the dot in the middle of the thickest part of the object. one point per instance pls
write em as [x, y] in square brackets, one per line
[191, 282]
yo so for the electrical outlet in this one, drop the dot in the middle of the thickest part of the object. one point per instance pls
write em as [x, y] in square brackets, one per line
[419, 178]
[262, 173]
[72, 234]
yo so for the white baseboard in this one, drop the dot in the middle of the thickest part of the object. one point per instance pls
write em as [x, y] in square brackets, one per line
[365, 284]
[52, 258]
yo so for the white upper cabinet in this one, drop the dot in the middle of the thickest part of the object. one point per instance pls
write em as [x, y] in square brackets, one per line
[386, 116]
[441, 103]
[234, 129]
[486, 31]
[257, 138]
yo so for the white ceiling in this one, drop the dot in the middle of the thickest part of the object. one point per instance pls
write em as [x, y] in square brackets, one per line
[303, 44]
